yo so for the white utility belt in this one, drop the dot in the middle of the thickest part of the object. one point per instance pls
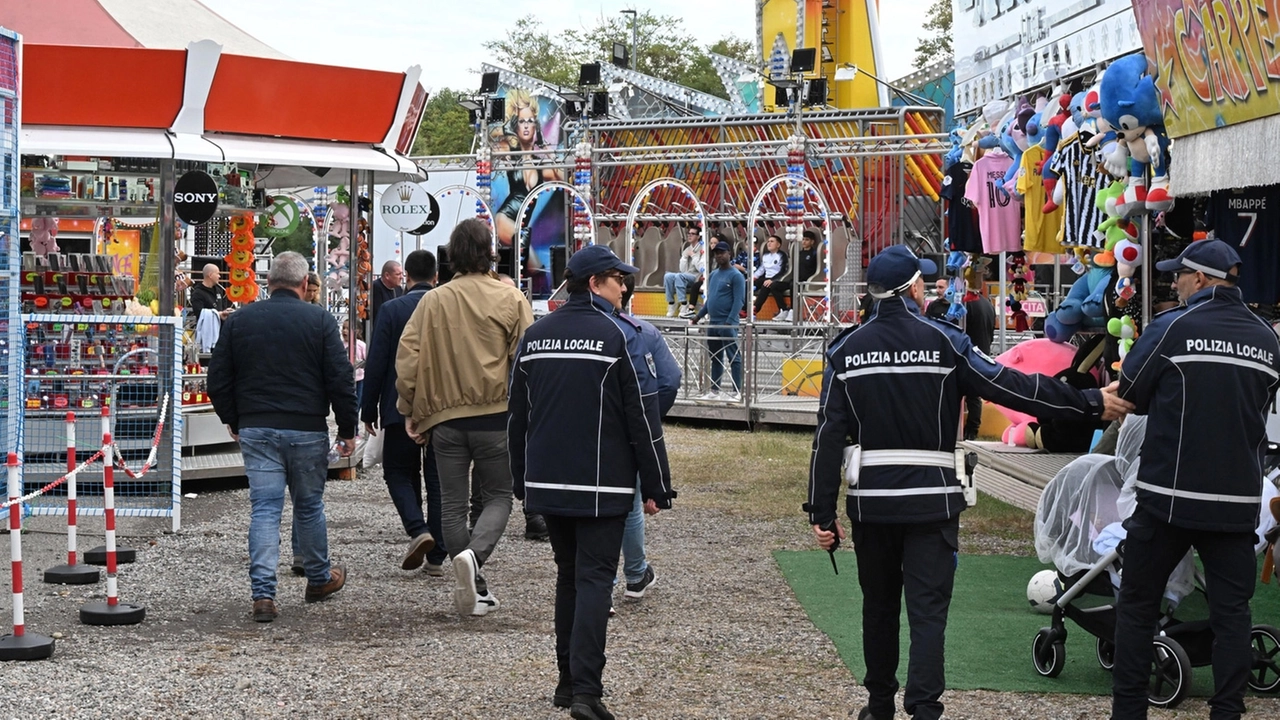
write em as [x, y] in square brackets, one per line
[855, 458]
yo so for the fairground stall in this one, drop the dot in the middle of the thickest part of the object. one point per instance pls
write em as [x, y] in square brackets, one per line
[123, 196]
[635, 163]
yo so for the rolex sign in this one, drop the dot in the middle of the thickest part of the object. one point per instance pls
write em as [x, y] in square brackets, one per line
[407, 207]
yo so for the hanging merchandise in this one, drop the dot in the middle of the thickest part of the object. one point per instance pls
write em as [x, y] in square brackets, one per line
[1020, 275]
[1131, 107]
[962, 218]
[1042, 228]
[44, 235]
[242, 279]
[1081, 178]
[340, 256]
[999, 214]
[1248, 219]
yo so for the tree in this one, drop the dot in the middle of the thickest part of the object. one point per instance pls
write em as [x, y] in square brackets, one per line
[936, 45]
[532, 51]
[666, 51]
[445, 128]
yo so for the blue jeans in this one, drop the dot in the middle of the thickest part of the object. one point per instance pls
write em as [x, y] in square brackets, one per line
[724, 351]
[275, 460]
[633, 560]
[677, 284]
[405, 465]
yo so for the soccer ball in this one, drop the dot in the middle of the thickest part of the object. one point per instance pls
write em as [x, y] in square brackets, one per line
[1044, 588]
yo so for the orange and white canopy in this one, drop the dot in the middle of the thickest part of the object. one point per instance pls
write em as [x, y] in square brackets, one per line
[108, 77]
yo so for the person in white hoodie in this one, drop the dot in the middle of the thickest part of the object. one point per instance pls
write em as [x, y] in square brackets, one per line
[693, 267]
[770, 277]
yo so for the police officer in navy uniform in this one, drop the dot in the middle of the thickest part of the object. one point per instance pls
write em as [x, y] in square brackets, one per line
[893, 388]
[584, 420]
[1205, 375]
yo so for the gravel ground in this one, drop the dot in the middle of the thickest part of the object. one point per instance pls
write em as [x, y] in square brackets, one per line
[720, 636]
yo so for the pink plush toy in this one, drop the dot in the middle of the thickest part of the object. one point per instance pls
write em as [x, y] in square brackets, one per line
[44, 235]
[1033, 356]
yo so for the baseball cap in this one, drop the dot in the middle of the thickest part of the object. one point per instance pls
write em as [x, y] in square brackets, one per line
[1214, 258]
[721, 246]
[895, 268]
[595, 259]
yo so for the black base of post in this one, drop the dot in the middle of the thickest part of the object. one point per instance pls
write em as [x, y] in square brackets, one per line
[98, 555]
[25, 647]
[72, 575]
[100, 613]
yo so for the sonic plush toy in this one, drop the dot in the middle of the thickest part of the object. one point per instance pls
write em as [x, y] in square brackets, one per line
[1131, 106]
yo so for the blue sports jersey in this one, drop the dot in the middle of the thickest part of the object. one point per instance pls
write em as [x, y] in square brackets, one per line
[1249, 220]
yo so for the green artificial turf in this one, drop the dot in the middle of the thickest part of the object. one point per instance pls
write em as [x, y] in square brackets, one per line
[990, 627]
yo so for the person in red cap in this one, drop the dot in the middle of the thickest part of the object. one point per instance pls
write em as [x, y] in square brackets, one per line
[1205, 375]
[889, 413]
[584, 422]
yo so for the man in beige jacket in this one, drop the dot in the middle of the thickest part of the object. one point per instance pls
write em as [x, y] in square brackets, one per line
[452, 370]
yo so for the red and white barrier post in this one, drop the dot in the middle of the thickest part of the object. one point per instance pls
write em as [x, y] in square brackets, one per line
[98, 555]
[111, 612]
[19, 645]
[71, 573]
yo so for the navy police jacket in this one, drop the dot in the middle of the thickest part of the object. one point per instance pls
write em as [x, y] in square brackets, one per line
[896, 384]
[584, 416]
[1204, 374]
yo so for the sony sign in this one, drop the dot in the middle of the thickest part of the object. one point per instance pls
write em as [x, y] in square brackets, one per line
[195, 197]
[407, 207]
[1005, 47]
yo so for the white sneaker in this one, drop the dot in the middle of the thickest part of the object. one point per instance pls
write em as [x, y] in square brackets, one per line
[484, 604]
[688, 313]
[672, 310]
[465, 597]
[709, 395]
[732, 396]
[785, 316]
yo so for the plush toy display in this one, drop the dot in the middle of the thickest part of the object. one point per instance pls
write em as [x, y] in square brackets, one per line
[1121, 241]
[340, 256]
[956, 264]
[1082, 308]
[44, 235]
[1131, 106]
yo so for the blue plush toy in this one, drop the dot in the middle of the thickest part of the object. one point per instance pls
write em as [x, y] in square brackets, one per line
[1082, 308]
[1131, 107]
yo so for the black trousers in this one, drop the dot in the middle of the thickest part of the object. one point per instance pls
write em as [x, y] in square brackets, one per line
[406, 466]
[778, 289]
[1151, 551]
[920, 561]
[586, 552]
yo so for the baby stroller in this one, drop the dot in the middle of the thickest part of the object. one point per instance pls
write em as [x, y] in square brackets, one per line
[1078, 529]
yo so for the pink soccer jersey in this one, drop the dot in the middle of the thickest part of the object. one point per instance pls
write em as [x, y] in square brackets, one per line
[999, 213]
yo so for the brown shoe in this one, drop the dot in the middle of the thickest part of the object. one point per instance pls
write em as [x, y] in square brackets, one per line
[337, 578]
[264, 610]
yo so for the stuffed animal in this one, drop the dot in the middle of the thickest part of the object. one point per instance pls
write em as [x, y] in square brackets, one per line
[1019, 275]
[1131, 106]
[1126, 331]
[1069, 127]
[44, 235]
[1120, 237]
[1082, 308]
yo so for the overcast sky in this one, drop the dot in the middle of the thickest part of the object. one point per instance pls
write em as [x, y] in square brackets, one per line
[446, 37]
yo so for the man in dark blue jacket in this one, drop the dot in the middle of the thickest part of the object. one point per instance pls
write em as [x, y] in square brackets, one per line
[405, 463]
[1205, 374]
[584, 420]
[891, 390]
[277, 368]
